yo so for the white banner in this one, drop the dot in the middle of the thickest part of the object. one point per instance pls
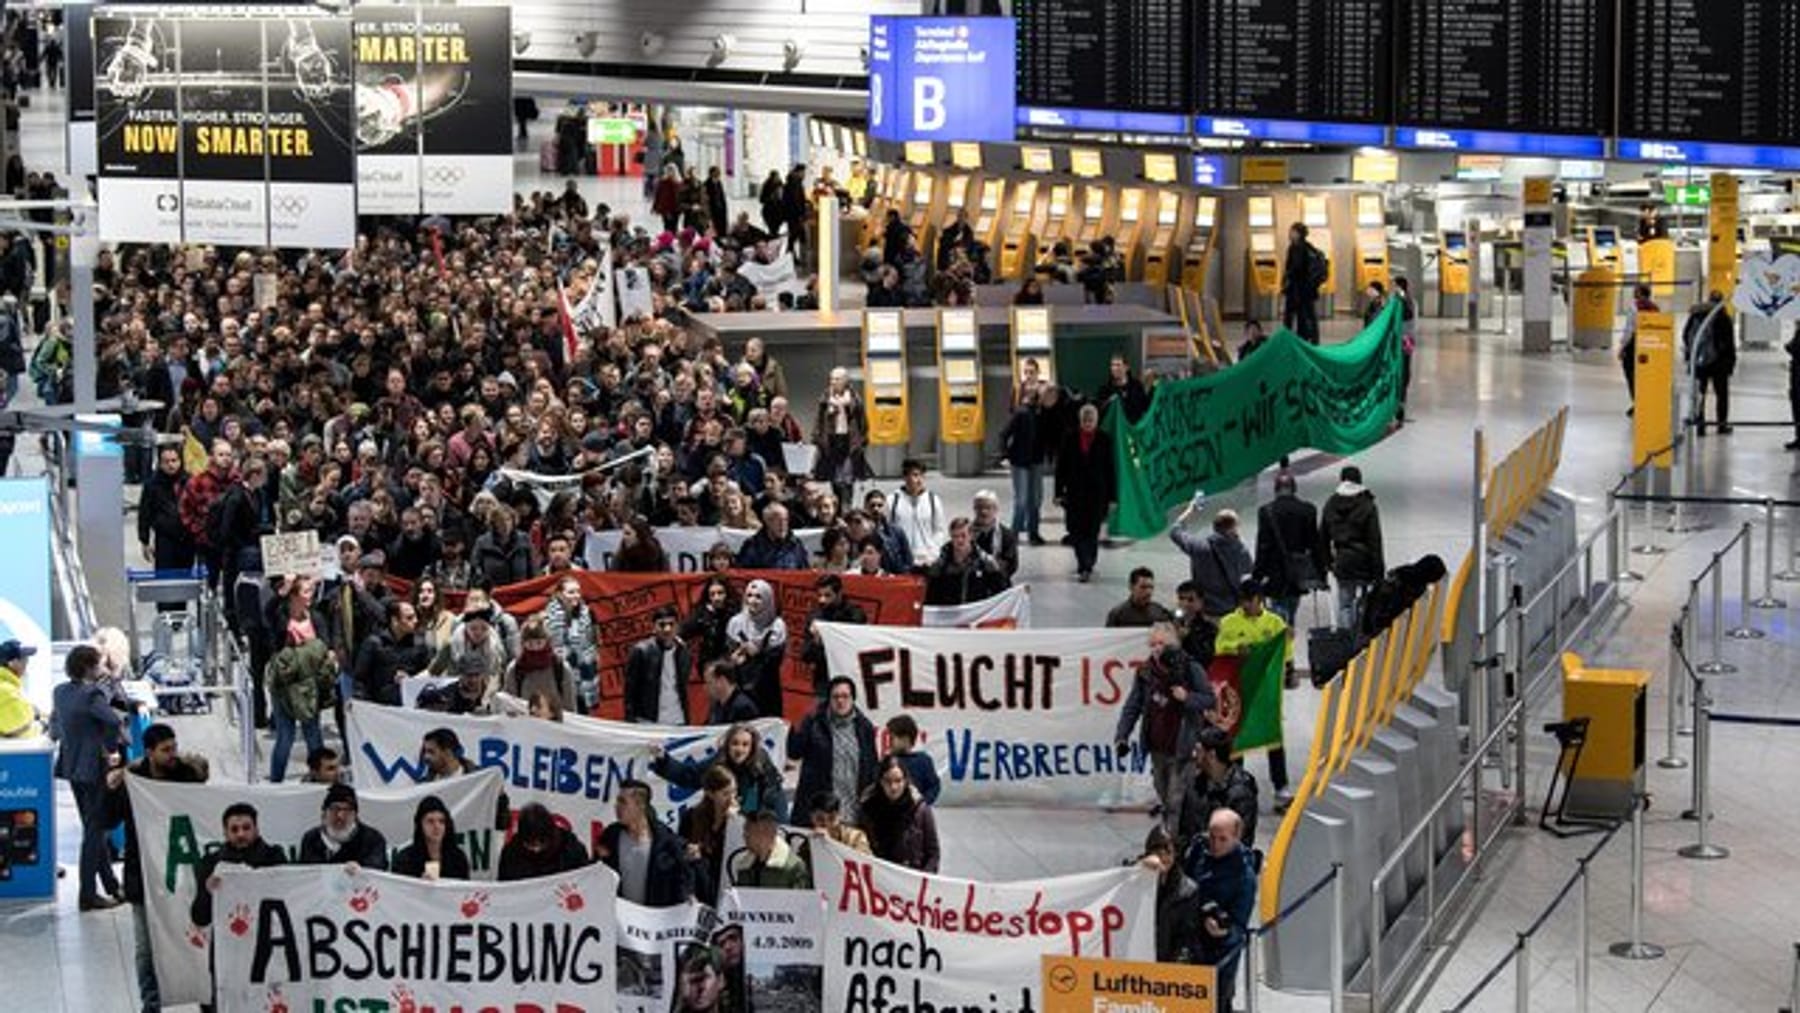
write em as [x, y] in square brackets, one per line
[899, 939]
[178, 824]
[776, 958]
[633, 287]
[1008, 610]
[574, 767]
[773, 278]
[317, 938]
[653, 942]
[685, 547]
[1022, 717]
[597, 310]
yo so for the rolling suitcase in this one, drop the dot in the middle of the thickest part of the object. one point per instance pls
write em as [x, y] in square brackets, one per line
[1328, 648]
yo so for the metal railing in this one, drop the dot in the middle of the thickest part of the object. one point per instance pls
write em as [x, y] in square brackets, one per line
[1491, 742]
[65, 548]
[1333, 879]
[1519, 956]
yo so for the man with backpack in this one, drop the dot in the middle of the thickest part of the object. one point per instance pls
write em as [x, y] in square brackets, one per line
[1305, 273]
[1709, 342]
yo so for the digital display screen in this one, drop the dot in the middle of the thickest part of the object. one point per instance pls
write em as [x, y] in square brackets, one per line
[1105, 54]
[1294, 60]
[1036, 159]
[1710, 70]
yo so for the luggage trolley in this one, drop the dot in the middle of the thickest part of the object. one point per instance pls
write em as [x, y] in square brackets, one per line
[181, 638]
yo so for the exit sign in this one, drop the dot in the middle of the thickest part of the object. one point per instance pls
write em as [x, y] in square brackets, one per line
[1693, 195]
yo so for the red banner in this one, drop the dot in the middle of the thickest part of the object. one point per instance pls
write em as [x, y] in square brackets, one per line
[623, 604]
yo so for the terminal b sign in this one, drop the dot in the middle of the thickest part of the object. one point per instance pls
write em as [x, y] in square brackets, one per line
[942, 79]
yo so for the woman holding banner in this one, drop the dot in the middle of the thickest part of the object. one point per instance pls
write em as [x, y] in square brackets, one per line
[756, 779]
[901, 826]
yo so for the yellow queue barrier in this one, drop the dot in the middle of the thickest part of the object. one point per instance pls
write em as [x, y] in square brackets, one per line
[1352, 709]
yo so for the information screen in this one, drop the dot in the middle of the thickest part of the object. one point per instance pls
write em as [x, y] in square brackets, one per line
[1104, 54]
[1324, 60]
[1711, 70]
[1535, 66]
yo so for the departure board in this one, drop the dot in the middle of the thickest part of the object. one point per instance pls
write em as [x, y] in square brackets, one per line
[1320, 60]
[1711, 70]
[1104, 54]
[1536, 66]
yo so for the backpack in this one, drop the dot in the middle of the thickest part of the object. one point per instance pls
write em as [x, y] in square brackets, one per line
[217, 512]
[1318, 269]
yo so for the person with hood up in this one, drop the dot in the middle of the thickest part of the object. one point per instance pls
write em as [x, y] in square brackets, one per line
[1350, 527]
[756, 776]
[539, 847]
[434, 852]
[758, 638]
[341, 838]
[1170, 697]
[900, 823]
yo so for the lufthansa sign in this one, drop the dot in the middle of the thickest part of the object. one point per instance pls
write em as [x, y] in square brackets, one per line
[941, 79]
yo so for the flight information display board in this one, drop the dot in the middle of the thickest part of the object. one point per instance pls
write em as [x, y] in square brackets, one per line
[1128, 55]
[1308, 60]
[1711, 70]
[1531, 66]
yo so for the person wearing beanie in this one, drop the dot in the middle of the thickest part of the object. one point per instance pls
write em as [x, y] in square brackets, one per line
[435, 852]
[341, 838]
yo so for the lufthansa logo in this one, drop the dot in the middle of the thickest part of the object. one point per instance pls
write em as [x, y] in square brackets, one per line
[290, 206]
[444, 175]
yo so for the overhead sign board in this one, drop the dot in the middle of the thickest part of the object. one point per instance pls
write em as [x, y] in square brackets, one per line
[941, 79]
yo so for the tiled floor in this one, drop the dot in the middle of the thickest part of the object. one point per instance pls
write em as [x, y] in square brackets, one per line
[1728, 925]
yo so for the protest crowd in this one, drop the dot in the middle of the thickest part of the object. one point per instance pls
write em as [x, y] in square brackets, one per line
[490, 468]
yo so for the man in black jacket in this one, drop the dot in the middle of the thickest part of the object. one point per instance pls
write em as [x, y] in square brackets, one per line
[1290, 556]
[730, 704]
[649, 858]
[539, 847]
[341, 838]
[386, 656]
[1301, 277]
[835, 723]
[993, 537]
[243, 846]
[1350, 527]
[166, 543]
[656, 674]
[831, 607]
[1710, 341]
[963, 573]
[162, 761]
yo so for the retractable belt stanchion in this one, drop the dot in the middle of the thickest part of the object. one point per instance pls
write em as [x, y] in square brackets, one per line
[1672, 758]
[1743, 630]
[1703, 849]
[1522, 965]
[1338, 928]
[1636, 948]
[1715, 638]
[1768, 599]
[1583, 944]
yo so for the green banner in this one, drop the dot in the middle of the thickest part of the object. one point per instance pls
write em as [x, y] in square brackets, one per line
[1215, 431]
[1259, 681]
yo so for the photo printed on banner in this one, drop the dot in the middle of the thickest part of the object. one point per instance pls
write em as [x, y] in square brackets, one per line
[138, 129]
[312, 199]
[227, 144]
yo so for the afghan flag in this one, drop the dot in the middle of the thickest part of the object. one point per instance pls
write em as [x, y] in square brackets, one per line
[1249, 691]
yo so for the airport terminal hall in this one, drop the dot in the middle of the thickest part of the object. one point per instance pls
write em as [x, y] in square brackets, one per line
[900, 506]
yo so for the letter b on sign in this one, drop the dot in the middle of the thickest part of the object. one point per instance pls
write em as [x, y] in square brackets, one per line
[928, 103]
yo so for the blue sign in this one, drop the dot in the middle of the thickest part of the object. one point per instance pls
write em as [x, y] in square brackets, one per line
[1209, 170]
[25, 580]
[1495, 142]
[1103, 120]
[1292, 131]
[27, 821]
[1745, 156]
[941, 79]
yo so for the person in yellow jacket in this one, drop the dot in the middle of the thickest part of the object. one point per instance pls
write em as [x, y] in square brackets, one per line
[18, 718]
[1242, 629]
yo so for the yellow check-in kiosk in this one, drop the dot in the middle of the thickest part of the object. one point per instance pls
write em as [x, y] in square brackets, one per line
[1656, 259]
[1315, 212]
[1371, 244]
[1129, 231]
[1264, 275]
[1453, 273]
[1058, 219]
[1096, 215]
[1161, 249]
[1608, 771]
[1033, 348]
[889, 180]
[954, 193]
[1653, 415]
[921, 189]
[884, 389]
[1018, 246]
[1603, 247]
[961, 429]
[984, 212]
[1196, 259]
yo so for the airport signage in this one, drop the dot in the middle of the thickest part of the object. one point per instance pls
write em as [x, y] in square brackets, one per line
[1743, 156]
[942, 79]
[1209, 170]
[1290, 131]
[1102, 120]
[1496, 142]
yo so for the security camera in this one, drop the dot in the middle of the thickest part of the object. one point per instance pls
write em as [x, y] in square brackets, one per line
[651, 43]
[521, 41]
[791, 53]
[586, 43]
[722, 45]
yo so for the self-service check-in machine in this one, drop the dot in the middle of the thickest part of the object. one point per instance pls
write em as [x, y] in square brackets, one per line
[1057, 218]
[1196, 260]
[1018, 247]
[961, 428]
[1129, 231]
[1033, 348]
[1453, 273]
[1603, 247]
[1315, 212]
[1264, 274]
[1371, 244]
[884, 389]
[1160, 250]
[918, 208]
[889, 193]
[1096, 214]
[984, 214]
[955, 198]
